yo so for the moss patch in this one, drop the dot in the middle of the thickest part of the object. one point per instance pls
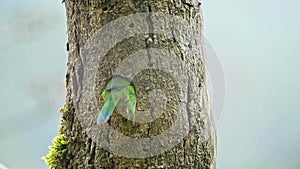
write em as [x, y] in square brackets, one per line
[57, 151]
[64, 109]
[177, 49]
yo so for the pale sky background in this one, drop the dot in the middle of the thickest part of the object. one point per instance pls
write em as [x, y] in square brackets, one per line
[258, 42]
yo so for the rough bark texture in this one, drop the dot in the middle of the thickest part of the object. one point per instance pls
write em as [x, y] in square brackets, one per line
[84, 18]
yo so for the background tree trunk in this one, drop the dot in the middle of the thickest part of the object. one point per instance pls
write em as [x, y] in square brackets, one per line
[79, 150]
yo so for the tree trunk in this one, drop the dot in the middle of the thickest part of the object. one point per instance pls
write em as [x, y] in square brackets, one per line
[158, 46]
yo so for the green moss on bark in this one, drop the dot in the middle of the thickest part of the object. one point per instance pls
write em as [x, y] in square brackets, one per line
[57, 151]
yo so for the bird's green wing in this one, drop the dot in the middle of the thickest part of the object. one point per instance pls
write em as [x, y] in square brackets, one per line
[118, 90]
[111, 100]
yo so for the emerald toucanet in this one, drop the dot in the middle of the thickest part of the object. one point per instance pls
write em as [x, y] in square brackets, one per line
[119, 92]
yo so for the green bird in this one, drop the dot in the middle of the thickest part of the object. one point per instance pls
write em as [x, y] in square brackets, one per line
[119, 92]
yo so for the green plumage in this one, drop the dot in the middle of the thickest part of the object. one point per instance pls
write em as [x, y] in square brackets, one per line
[118, 92]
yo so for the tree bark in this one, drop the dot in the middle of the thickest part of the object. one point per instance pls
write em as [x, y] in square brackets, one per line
[197, 149]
